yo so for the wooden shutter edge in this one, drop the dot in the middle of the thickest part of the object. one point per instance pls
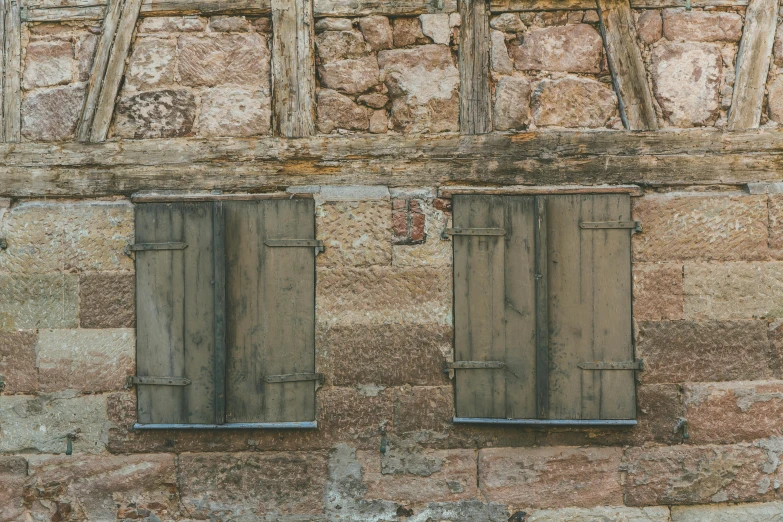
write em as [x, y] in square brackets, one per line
[542, 309]
[230, 426]
[183, 197]
[547, 422]
[219, 250]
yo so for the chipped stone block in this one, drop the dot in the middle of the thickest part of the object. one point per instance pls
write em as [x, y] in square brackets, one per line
[48, 237]
[407, 31]
[17, 361]
[377, 32]
[171, 24]
[688, 351]
[702, 474]
[235, 111]
[498, 53]
[550, 477]
[332, 46]
[660, 408]
[84, 49]
[88, 360]
[105, 487]
[383, 295]
[336, 111]
[152, 63]
[613, 514]
[657, 291]
[39, 301]
[375, 100]
[354, 193]
[507, 23]
[13, 475]
[350, 76]
[436, 27]
[48, 63]
[649, 26]
[733, 290]
[354, 233]
[379, 122]
[389, 355]
[242, 59]
[107, 300]
[512, 103]
[573, 102]
[51, 114]
[728, 412]
[354, 415]
[156, 114]
[41, 424]
[775, 99]
[574, 48]
[697, 227]
[229, 24]
[701, 26]
[244, 485]
[333, 24]
[423, 408]
[763, 512]
[686, 79]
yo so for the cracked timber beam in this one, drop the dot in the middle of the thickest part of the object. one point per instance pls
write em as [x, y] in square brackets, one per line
[474, 98]
[625, 62]
[753, 60]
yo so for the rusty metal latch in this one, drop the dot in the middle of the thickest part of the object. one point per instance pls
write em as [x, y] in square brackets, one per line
[313, 243]
[141, 247]
[636, 226]
[158, 381]
[619, 365]
[472, 365]
[475, 232]
[296, 377]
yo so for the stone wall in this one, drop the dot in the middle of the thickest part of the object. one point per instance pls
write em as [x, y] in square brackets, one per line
[707, 290]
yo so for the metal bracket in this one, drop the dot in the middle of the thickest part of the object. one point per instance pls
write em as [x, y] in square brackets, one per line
[475, 365]
[475, 232]
[141, 247]
[296, 377]
[620, 365]
[636, 226]
[315, 243]
[158, 381]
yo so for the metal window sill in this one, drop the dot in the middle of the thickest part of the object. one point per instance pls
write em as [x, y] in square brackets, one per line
[547, 422]
[231, 426]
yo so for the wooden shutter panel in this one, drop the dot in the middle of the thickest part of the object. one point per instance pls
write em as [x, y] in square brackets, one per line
[270, 308]
[589, 307]
[175, 313]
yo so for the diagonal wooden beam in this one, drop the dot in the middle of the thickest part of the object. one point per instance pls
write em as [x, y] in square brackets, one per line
[753, 58]
[625, 62]
[293, 68]
[99, 65]
[474, 99]
[12, 58]
[114, 70]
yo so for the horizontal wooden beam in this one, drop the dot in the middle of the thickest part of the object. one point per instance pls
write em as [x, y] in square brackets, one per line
[688, 157]
[499, 6]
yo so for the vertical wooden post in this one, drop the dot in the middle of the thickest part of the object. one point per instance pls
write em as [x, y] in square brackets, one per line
[12, 90]
[219, 251]
[625, 62]
[542, 309]
[293, 68]
[753, 59]
[475, 103]
[2, 68]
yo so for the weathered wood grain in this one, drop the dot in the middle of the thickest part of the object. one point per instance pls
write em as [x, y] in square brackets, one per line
[498, 6]
[753, 60]
[324, 8]
[114, 70]
[59, 14]
[474, 106]
[625, 62]
[12, 70]
[293, 68]
[205, 7]
[98, 72]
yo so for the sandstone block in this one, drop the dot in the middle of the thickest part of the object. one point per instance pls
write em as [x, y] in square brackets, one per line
[38, 301]
[350, 76]
[686, 79]
[776, 357]
[377, 32]
[333, 24]
[657, 291]
[701, 26]
[383, 295]
[105, 487]
[775, 204]
[48, 237]
[436, 27]
[13, 474]
[551, 477]
[682, 227]
[424, 408]
[17, 362]
[107, 300]
[235, 111]
[573, 102]
[156, 114]
[507, 23]
[171, 24]
[353, 415]
[48, 63]
[683, 351]
[84, 49]
[512, 103]
[701, 474]
[354, 232]
[441, 476]
[407, 31]
[775, 99]
[90, 361]
[262, 25]
[777, 47]
[332, 46]
[733, 290]
[51, 114]
[764, 512]
[242, 59]
[336, 111]
[499, 58]
[734, 411]
[152, 63]
[601, 514]
[42, 423]
[573, 48]
[229, 24]
[244, 485]
[379, 122]
[660, 407]
[375, 100]
[649, 26]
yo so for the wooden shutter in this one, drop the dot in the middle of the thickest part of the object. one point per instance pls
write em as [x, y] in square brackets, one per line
[270, 305]
[175, 312]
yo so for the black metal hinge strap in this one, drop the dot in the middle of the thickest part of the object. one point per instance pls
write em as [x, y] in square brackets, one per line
[139, 247]
[633, 225]
[475, 232]
[475, 365]
[621, 365]
[296, 377]
[159, 381]
[294, 243]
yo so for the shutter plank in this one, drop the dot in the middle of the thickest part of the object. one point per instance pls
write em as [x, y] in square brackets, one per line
[479, 304]
[520, 308]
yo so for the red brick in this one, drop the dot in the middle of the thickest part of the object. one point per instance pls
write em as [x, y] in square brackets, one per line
[400, 224]
[17, 361]
[444, 205]
[107, 300]
[417, 227]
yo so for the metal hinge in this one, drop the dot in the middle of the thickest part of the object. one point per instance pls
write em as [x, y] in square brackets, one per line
[619, 365]
[140, 247]
[315, 243]
[636, 226]
[158, 381]
[474, 365]
[475, 232]
[296, 377]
